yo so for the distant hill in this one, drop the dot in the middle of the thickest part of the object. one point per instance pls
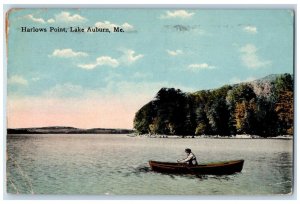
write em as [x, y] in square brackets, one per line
[67, 130]
[262, 107]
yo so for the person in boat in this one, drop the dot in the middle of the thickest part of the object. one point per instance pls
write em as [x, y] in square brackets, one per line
[190, 159]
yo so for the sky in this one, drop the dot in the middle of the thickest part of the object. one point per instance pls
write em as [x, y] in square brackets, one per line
[101, 79]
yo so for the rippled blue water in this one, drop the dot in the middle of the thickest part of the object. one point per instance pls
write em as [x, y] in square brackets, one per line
[118, 165]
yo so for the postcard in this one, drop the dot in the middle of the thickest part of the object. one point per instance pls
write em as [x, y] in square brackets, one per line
[150, 101]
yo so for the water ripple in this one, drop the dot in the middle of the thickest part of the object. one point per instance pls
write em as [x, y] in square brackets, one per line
[116, 165]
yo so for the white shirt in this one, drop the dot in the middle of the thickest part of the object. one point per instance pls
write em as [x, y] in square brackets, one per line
[189, 157]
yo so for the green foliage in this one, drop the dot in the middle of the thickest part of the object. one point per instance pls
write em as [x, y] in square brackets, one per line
[261, 107]
[201, 129]
[143, 118]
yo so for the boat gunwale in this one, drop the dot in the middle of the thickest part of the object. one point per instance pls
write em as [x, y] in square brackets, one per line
[183, 165]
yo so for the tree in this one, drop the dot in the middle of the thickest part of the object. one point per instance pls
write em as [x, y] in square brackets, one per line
[171, 111]
[284, 104]
[201, 100]
[228, 110]
[217, 111]
[245, 117]
[266, 118]
[201, 129]
[143, 118]
[241, 102]
[285, 112]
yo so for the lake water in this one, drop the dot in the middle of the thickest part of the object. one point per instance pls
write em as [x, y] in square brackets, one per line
[118, 165]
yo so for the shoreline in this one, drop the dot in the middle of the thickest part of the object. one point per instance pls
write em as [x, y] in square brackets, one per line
[157, 136]
[282, 137]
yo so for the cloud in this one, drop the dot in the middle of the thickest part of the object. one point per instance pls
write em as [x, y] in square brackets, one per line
[51, 20]
[37, 20]
[130, 57]
[67, 53]
[67, 17]
[198, 67]
[63, 17]
[88, 66]
[249, 49]
[250, 58]
[250, 29]
[127, 27]
[175, 52]
[183, 14]
[17, 80]
[101, 61]
[106, 24]
[106, 60]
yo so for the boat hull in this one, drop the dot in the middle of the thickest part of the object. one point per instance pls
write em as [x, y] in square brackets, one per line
[218, 168]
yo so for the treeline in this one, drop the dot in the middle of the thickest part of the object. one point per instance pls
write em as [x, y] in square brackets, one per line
[67, 130]
[263, 107]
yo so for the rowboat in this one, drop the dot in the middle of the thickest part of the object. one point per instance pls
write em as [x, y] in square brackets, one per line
[216, 168]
